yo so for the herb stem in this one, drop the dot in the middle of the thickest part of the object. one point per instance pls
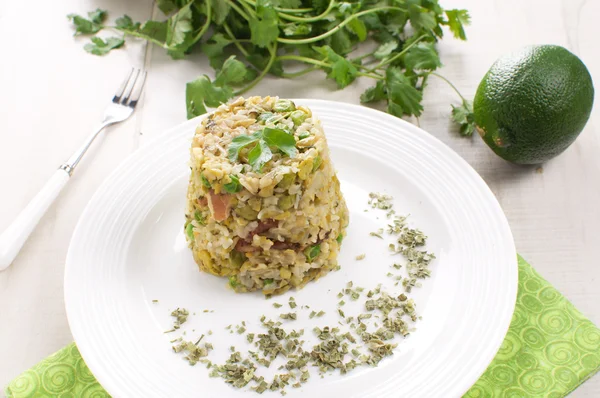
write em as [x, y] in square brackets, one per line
[303, 59]
[273, 51]
[235, 41]
[309, 19]
[248, 9]
[300, 73]
[207, 23]
[397, 55]
[141, 36]
[450, 84]
[337, 27]
[375, 76]
[364, 56]
[288, 10]
[238, 9]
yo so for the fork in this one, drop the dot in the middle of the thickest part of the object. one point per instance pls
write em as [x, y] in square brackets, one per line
[118, 110]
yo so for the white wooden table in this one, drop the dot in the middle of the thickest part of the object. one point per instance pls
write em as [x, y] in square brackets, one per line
[52, 93]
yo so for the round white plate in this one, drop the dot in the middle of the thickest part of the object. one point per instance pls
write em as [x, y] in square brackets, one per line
[128, 249]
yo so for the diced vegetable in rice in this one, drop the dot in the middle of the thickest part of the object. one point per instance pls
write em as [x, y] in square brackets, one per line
[264, 204]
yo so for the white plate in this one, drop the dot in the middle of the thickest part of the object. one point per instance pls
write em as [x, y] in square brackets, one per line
[128, 249]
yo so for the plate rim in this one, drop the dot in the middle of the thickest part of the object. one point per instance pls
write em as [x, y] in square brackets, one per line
[88, 356]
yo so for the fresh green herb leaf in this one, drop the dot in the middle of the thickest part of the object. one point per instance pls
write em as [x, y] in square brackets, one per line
[264, 29]
[292, 29]
[220, 10]
[101, 47]
[240, 142]
[340, 238]
[98, 16]
[214, 49]
[267, 281]
[341, 42]
[201, 93]
[126, 23]
[464, 116]
[358, 27]
[421, 18]
[234, 186]
[342, 70]
[85, 26]
[281, 140]
[375, 93]
[167, 6]
[179, 28]
[154, 30]
[233, 71]
[385, 49]
[422, 56]
[259, 155]
[403, 97]
[457, 19]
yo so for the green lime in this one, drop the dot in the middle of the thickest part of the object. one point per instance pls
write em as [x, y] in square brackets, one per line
[532, 104]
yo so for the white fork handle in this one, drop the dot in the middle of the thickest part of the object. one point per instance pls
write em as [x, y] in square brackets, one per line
[13, 238]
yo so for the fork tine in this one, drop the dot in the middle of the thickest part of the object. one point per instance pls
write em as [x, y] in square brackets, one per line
[122, 88]
[137, 92]
[130, 86]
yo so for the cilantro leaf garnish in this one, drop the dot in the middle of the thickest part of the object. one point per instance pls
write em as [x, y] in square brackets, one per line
[281, 140]
[259, 155]
[264, 29]
[464, 116]
[422, 56]
[88, 26]
[375, 93]
[101, 47]
[126, 23]
[264, 140]
[240, 142]
[341, 70]
[457, 19]
[403, 97]
[203, 92]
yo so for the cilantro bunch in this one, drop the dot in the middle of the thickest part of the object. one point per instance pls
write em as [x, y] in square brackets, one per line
[392, 42]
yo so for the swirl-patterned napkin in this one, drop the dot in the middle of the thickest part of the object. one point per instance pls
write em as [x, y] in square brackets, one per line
[549, 350]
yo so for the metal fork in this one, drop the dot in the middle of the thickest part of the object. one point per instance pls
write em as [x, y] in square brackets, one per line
[120, 108]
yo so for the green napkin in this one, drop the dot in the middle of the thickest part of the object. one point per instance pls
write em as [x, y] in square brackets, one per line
[549, 350]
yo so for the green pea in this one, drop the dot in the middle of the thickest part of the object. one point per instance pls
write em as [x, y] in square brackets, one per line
[237, 258]
[340, 238]
[247, 213]
[304, 135]
[284, 105]
[287, 181]
[189, 230]
[298, 117]
[264, 117]
[317, 163]
[286, 202]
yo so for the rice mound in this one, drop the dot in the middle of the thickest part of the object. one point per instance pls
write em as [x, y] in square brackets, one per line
[267, 228]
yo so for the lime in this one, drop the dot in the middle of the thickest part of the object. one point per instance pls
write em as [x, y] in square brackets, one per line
[532, 104]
